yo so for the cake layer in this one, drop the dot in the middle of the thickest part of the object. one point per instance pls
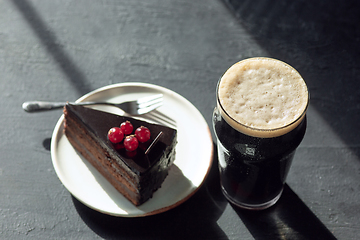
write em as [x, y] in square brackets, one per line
[134, 174]
[91, 150]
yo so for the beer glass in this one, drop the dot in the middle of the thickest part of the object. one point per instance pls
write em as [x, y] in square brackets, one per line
[259, 121]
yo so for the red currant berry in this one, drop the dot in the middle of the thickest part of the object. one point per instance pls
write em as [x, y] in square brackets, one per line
[127, 127]
[115, 135]
[131, 143]
[142, 134]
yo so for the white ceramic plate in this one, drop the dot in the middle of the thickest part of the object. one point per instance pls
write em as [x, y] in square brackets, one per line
[192, 164]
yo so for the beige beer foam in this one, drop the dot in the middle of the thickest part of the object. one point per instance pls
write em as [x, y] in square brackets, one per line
[262, 97]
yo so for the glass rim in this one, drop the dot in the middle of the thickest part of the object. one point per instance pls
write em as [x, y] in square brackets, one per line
[259, 132]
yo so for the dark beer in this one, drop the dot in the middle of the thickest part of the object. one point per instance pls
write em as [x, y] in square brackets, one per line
[253, 170]
[259, 122]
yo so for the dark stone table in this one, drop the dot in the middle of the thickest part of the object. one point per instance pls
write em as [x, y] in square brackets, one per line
[61, 50]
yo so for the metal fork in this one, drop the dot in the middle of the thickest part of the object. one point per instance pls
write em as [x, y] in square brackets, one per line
[137, 107]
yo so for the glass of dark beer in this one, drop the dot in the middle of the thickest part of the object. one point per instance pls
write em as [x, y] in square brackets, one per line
[259, 121]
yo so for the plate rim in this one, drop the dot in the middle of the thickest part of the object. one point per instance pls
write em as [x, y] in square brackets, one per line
[56, 135]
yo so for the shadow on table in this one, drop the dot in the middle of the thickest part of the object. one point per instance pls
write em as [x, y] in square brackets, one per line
[194, 219]
[290, 218]
[321, 39]
[49, 41]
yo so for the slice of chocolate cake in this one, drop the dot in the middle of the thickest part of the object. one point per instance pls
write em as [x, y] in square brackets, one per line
[135, 174]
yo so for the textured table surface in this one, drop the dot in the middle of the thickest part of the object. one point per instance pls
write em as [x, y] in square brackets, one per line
[61, 50]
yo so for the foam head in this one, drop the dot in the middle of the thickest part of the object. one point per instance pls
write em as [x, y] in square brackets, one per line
[262, 97]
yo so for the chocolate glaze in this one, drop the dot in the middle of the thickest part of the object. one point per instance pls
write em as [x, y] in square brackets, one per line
[100, 122]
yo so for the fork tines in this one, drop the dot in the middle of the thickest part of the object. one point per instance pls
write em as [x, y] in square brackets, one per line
[149, 103]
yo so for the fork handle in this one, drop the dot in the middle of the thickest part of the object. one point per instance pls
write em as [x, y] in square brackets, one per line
[36, 106]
